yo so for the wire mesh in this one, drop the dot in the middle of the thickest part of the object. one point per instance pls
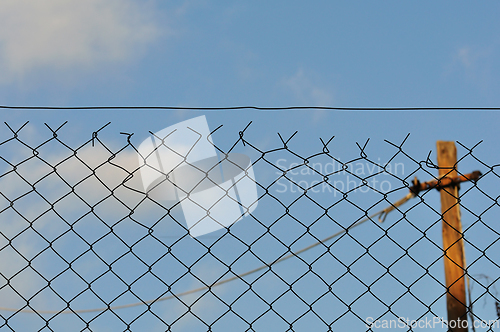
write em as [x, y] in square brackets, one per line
[83, 247]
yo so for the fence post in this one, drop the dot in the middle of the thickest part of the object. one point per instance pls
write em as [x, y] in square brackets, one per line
[453, 244]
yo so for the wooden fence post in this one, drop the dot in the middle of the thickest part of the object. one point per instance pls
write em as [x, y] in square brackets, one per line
[453, 244]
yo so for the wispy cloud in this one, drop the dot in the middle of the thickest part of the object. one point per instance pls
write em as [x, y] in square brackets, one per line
[469, 58]
[30, 225]
[187, 6]
[474, 64]
[306, 91]
[465, 57]
[59, 34]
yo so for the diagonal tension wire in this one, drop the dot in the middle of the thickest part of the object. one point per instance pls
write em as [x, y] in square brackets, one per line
[381, 214]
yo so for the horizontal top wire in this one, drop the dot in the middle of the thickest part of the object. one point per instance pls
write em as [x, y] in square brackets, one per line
[258, 108]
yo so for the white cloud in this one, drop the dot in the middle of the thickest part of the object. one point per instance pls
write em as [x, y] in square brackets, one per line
[49, 226]
[470, 58]
[188, 5]
[62, 34]
[74, 169]
[473, 64]
[306, 91]
[464, 56]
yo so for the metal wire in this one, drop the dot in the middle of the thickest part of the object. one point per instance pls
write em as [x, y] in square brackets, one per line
[31, 175]
[219, 283]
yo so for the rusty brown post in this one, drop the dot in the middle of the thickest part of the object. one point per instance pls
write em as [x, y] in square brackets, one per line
[453, 244]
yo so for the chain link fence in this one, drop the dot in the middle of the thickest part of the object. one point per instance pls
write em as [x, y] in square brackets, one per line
[84, 247]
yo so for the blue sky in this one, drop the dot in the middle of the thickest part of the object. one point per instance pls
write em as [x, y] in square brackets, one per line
[197, 53]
